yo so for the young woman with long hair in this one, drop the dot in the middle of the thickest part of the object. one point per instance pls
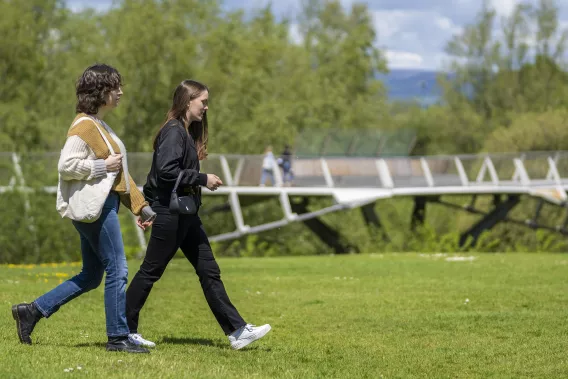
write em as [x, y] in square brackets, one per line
[178, 147]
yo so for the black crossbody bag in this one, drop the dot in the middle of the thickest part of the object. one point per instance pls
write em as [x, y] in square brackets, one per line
[185, 204]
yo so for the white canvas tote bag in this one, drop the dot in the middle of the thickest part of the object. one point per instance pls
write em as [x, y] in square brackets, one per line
[83, 200]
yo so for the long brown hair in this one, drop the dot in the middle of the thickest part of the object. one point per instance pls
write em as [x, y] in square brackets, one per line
[198, 130]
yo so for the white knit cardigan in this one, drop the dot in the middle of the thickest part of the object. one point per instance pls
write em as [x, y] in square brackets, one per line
[79, 162]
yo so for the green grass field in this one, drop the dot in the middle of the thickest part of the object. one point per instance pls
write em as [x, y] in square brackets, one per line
[368, 316]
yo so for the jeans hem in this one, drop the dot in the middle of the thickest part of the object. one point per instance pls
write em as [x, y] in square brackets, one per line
[44, 313]
[117, 335]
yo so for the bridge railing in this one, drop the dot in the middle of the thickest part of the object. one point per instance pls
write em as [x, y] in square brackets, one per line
[530, 168]
[542, 174]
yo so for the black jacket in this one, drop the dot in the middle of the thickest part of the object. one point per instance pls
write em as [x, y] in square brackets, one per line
[174, 151]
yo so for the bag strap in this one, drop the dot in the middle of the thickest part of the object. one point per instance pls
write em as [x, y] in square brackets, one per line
[106, 140]
[99, 129]
[181, 174]
[79, 120]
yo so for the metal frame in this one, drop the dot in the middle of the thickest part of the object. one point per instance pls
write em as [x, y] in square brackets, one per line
[498, 214]
[530, 223]
[550, 186]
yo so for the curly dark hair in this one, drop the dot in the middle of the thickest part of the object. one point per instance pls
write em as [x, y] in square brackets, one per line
[93, 86]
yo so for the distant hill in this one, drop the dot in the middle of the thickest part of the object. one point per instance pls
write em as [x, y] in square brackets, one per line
[408, 84]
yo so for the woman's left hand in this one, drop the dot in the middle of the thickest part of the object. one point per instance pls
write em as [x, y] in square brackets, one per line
[143, 225]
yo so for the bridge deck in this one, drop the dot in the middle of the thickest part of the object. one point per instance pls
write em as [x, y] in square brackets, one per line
[351, 182]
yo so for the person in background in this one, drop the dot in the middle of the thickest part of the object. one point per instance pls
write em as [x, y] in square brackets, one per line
[268, 164]
[285, 161]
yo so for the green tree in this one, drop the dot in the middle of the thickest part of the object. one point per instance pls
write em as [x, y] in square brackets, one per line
[153, 56]
[27, 60]
[534, 131]
[516, 70]
[343, 53]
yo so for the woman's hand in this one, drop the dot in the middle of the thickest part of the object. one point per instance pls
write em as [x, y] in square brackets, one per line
[146, 218]
[213, 182]
[143, 225]
[114, 162]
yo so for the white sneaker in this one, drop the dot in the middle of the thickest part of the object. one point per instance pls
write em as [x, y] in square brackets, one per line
[247, 334]
[138, 340]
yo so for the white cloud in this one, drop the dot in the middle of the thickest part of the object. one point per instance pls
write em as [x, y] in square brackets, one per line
[404, 59]
[444, 23]
[400, 23]
[388, 23]
[413, 38]
[504, 7]
[79, 5]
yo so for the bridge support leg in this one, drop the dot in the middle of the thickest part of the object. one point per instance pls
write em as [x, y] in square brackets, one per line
[370, 216]
[471, 205]
[565, 223]
[328, 235]
[372, 219]
[499, 213]
[419, 212]
[533, 223]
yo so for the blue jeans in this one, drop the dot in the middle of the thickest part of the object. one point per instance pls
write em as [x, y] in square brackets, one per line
[103, 251]
[265, 175]
[287, 169]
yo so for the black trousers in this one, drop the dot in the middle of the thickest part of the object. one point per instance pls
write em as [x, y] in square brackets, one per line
[170, 232]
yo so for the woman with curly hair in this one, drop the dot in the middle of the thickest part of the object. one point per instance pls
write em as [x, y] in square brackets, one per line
[86, 160]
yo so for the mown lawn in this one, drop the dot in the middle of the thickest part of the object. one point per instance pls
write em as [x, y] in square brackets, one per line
[368, 316]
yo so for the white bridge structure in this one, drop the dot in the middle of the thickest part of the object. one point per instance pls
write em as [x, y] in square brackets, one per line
[354, 182]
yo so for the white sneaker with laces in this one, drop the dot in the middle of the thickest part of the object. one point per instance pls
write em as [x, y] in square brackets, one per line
[137, 339]
[247, 334]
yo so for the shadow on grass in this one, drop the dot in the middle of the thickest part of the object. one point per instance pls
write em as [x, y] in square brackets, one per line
[91, 344]
[184, 341]
[208, 342]
[193, 341]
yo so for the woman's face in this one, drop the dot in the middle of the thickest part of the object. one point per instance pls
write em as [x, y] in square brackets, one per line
[197, 107]
[112, 98]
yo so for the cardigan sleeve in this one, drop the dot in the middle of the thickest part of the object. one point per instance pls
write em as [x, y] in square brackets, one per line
[134, 200]
[75, 164]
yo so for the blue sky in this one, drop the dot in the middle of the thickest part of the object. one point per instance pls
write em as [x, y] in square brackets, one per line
[412, 32]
